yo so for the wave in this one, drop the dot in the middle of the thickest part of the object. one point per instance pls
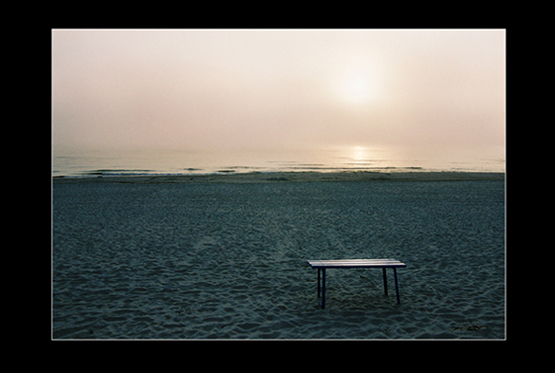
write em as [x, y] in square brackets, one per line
[118, 172]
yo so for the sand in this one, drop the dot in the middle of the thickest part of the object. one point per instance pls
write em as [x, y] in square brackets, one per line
[224, 257]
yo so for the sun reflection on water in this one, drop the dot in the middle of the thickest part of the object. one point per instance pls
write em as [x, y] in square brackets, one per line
[361, 157]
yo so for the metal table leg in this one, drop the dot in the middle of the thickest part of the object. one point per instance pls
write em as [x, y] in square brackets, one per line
[384, 282]
[318, 296]
[322, 303]
[396, 285]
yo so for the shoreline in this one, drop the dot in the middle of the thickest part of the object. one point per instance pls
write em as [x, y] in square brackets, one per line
[289, 176]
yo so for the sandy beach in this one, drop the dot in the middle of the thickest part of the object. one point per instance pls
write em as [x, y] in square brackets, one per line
[224, 256]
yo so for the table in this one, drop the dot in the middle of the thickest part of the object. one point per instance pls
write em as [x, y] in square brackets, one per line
[322, 265]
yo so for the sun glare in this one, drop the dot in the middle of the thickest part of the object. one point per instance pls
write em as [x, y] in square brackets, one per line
[359, 87]
[359, 153]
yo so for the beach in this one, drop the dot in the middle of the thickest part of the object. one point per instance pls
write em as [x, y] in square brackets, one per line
[224, 256]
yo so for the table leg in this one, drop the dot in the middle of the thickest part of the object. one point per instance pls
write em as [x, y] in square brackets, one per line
[396, 285]
[323, 288]
[318, 283]
[322, 302]
[384, 282]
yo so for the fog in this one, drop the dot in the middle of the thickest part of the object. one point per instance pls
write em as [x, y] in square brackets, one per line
[213, 89]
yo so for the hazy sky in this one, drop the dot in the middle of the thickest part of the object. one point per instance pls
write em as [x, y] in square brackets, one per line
[277, 88]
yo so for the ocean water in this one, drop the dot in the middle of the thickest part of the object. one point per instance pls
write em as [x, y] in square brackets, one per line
[146, 161]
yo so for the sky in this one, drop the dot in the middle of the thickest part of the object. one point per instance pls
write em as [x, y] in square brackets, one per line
[214, 89]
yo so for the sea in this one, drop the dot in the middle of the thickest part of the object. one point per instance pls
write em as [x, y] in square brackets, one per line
[95, 162]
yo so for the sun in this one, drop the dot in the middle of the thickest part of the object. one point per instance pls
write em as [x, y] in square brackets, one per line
[359, 86]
